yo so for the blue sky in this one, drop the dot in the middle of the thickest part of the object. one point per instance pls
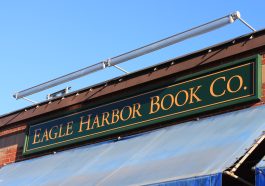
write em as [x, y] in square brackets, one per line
[42, 40]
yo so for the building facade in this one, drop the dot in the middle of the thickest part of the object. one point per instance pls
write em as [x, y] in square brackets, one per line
[196, 119]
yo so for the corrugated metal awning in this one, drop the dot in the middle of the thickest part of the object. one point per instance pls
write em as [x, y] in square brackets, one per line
[193, 149]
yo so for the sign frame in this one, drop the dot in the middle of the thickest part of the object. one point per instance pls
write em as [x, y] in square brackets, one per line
[256, 60]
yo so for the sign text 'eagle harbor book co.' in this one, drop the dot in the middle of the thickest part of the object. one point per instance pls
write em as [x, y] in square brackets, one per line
[218, 87]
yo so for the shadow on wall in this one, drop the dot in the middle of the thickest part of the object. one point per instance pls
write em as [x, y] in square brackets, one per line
[11, 147]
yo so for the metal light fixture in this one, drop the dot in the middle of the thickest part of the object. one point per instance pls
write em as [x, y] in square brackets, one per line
[133, 54]
[59, 93]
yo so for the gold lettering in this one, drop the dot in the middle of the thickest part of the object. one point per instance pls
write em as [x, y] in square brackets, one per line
[240, 84]
[193, 94]
[122, 113]
[154, 103]
[87, 123]
[60, 131]
[136, 108]
[36, 135]
[115, 116]
[105, 117]
[69, 128]
[51, 132]
[45, 135]
[186, 98]
[171, 97]
[212, 87]
[95, 122]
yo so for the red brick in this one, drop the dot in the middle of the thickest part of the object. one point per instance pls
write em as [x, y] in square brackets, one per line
[6, 160]
[12, 154]
[11, 150]
[12, 159]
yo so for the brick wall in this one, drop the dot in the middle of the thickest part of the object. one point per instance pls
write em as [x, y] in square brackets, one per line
[11, 144]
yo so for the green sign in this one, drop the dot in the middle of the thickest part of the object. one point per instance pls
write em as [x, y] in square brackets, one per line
[219, 87]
